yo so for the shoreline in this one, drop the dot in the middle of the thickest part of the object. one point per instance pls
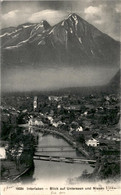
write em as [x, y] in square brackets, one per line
[68, 139]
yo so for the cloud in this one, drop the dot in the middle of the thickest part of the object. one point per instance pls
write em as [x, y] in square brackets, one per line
[118, 8]
[14, 18]
[99, 13]
[94, 14]
[52, 16]
[98, 22]
[92, 10]
[11, 14]
[103, 14]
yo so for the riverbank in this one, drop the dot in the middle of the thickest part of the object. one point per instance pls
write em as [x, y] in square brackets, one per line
[19, 155]
[11, 171]
[66, 137]
[59, 161]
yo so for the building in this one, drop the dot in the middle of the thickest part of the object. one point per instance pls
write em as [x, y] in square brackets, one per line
[2, 153]
[35, 103]
[38, 122]
[55, 98]
[79, 129]
[73, 107]
[35, 122]
[92, 142]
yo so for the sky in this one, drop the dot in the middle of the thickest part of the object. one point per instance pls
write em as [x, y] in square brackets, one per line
[103, 14]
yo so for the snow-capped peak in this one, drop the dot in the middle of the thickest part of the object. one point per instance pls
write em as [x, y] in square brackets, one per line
[38, 26]
[27, 26]
[75, 18]
[62, 24]
[52, 30]
[41, 27]
[73, 15]
[8, 34]
[80, 40]
[12, 47]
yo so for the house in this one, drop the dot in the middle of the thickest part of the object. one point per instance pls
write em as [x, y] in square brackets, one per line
[59, 106]
[107, 98]
[55, 98]
[50, 119]
[56, 123]
[92, 142]
[79, 129]
[35, 122]
[38, 122]
[73, 107]
[2, 153]
[31, 122]
[85, 113]
[24, 111]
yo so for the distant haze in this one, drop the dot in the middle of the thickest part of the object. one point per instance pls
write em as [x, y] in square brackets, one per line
[46, 79]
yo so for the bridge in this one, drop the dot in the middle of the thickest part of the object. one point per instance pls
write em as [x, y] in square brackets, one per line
[43, 152]
[64, 159]
[39, 154]
[54, 148]
[65, 136]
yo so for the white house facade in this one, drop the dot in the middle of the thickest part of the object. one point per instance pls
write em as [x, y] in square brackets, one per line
[92, 142]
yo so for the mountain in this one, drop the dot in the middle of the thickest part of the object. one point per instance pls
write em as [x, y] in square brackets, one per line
[114, 84]
[11, 37]
[72, 42]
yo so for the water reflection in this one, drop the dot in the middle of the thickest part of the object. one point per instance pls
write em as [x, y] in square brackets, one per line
[25, 142]
[52, 171]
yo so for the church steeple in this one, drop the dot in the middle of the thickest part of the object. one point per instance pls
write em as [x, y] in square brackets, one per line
[35, 103]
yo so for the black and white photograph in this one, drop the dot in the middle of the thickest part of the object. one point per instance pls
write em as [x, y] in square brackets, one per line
[60, 97]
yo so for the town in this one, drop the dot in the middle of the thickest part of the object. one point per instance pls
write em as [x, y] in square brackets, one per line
[91, 123]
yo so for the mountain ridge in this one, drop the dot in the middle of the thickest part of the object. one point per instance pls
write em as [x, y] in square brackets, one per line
[72, 41]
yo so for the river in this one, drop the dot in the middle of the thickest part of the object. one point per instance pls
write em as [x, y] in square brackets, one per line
[53, 172]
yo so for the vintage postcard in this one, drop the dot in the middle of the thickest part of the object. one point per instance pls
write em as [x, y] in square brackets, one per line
[60, 97]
